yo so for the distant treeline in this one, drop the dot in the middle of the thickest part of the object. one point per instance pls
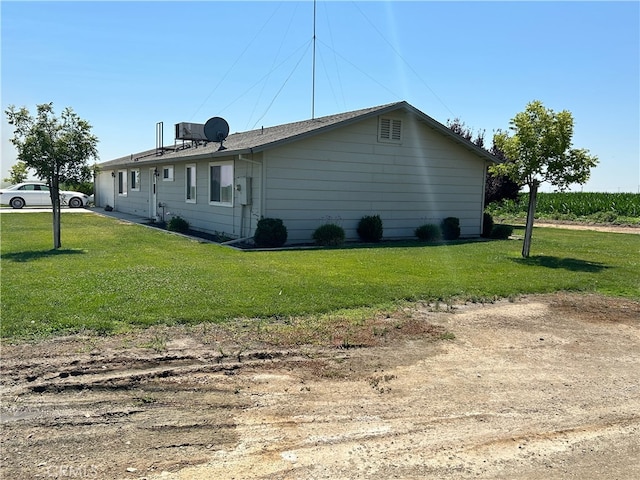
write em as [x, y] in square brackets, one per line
[609, 206]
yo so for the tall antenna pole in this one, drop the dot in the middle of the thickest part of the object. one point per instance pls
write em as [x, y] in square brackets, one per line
[313, 73]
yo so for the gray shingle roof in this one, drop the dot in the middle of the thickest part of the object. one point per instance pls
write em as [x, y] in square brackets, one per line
[269, 137]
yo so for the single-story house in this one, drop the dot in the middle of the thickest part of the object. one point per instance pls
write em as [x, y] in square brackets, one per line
[392, 160]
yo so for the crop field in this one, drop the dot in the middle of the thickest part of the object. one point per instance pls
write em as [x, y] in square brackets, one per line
[595, 206]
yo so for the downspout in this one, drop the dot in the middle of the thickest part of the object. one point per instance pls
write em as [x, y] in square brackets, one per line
[263, 185]
[156, 197]
[249, 160]
[243, 209]
[236, 240]
[262, 177]
[115, 193]
[484, 188]
[233, 201]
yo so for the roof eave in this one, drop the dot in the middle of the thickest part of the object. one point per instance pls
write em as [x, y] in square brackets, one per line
[260, 147]
[329, 127]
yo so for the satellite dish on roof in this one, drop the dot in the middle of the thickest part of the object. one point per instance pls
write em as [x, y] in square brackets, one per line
[216, 130]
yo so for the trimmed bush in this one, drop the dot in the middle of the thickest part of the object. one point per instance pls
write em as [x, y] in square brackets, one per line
[270, 232]
[429, 232]
[370, 228]
[501, 232]
[450, 228]
[487, 225]
[329, 234]
[178, 224]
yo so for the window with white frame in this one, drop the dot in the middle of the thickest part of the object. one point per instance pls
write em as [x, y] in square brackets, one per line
[167, 173]
[122, 183]
[134, 178]
[389, 130]
[221, 183]
[190, 184]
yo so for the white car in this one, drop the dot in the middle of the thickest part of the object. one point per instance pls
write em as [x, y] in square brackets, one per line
[37, 194]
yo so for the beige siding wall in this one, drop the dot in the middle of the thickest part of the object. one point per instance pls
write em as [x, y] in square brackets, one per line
[104, 188]
[338, 176]
[135, 202]
[343, 175]
[234, 221]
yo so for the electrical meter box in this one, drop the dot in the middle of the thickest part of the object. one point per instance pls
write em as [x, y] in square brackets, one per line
[243, 190]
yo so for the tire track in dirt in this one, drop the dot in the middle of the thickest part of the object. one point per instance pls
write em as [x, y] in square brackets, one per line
[545, 387]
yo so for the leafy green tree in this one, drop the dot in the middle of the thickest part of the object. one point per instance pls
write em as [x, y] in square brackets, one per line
[17, 173]
[540, 151]
[459, 127]
[57, 148]
[499, 187]
[83, 187]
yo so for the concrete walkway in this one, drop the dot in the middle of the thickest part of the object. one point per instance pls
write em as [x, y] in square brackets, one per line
[119, 215]
[127, 217]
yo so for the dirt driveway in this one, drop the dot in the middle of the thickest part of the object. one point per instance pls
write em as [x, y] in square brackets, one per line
[538, 388]
[596, 228]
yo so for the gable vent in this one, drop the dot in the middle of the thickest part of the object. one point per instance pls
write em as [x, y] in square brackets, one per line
[390, 130]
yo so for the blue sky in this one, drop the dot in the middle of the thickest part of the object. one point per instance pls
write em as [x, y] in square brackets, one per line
[124, 66]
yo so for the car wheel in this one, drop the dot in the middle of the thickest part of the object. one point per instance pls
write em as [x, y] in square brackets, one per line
[16, 202]
[75, 202]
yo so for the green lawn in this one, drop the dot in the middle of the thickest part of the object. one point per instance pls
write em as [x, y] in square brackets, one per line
[110, 275]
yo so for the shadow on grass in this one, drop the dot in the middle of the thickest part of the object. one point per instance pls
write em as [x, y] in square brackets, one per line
[572, 264]
[400, 244]
[38, 254]
[362, 245]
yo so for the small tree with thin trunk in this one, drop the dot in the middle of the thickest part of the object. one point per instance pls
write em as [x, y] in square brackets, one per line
[540, 151]
[58, 149]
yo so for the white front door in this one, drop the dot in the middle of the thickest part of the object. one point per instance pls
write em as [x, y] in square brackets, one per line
[153, 194]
